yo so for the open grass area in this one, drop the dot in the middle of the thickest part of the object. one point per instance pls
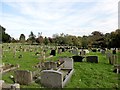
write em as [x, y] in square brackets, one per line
[86, 75]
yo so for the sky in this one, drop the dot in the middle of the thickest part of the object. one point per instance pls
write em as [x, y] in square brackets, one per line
[73, 17]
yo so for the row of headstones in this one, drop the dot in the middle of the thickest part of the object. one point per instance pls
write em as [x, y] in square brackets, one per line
[92, 59]
[104, 50]
[59, 51]
[26, 77]
[81, 52]
[113, 60]
[60, 77]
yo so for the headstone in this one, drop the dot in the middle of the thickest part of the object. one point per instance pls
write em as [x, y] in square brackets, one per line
[102, 51]
[59, 51]
[92, 59]
[15, 86]
[74, 51]
[63, 49]
[86, 51]
[94, 50]
[50, 65]
[116, 68]
[108, 55]
[1, 84]
[56, 79]
[53, 52]
[113, 59]
[68, 63]
[23, 77]
[82, 53]
[77, 58]
[98, 50]
[51, 79]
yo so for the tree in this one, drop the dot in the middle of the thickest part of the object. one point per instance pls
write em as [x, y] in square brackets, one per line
[97, 39]
[4, 37]
[46, 41]
[84, 42]
[40, 38]
[31, 38]
[115, 39]
[22, 38]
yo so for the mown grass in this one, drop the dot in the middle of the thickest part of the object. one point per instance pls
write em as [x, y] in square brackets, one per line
[86, 75]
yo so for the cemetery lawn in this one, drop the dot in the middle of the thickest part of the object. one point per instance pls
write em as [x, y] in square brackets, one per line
[86, 75]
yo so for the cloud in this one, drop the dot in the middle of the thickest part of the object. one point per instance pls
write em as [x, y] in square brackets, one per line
[56, 16]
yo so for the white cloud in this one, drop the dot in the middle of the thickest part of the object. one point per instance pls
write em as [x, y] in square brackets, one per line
[60, 16]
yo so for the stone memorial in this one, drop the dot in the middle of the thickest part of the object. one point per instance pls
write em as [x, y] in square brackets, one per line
[78, 58]
[59, 50]
[82, 53]
[116, 68]
[60, 77]
[53, 52]
[92, 59]
[113, 59]
[74, 51]
[23, 77]
[94, 50]
[50, 65]
[68, 63]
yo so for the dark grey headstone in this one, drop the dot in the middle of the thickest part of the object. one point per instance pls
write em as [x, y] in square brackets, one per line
[92, 59]
[53, 52]
[77, 58]
[94, 50]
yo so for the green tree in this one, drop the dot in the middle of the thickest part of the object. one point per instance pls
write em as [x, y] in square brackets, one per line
[46, 41]
[40, 38]
[22, 38]
[97, 39]
[4, 37]
[31, 38]
[115, 39]
[84, 42]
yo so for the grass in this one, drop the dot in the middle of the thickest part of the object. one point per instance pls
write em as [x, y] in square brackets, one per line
[86, 75]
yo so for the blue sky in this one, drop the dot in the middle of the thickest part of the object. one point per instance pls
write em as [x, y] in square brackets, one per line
[74, 17]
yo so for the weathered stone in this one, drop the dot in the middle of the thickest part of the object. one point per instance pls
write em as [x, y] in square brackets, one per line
[74, 51]
[113, 59]
[56, 79]
[82, 53]
[59, 51]
[51, 78]
[23, 77]
[68, 63]
[50, 65]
